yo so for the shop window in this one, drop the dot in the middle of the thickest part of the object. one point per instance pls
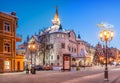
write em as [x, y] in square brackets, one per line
[7, 64]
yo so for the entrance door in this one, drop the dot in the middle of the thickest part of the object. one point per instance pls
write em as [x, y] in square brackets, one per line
[1, 65]
[18, 66]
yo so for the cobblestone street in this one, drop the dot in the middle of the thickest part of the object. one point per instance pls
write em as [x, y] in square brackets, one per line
[88, 75]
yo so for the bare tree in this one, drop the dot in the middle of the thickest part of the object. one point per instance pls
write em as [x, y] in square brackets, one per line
[43, 43]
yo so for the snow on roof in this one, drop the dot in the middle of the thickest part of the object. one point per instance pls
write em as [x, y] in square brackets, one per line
[9, 13]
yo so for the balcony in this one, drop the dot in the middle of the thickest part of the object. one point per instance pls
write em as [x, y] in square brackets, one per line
[18, 38]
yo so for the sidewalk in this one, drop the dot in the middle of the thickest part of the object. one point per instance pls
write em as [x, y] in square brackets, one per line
[13, 73]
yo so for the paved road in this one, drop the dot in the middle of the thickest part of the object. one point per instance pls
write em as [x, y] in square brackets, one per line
[89, 75]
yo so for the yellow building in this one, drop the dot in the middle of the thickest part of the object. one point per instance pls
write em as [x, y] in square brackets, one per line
[9, 61]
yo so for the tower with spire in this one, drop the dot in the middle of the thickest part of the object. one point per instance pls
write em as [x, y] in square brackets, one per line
[56, 20]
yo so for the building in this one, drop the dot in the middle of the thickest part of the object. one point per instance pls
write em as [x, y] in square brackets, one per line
[9, 61]
[113, 54]
[54, 42]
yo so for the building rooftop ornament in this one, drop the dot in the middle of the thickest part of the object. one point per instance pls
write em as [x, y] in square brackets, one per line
[56, 20]
[79, 36]
[104, 25]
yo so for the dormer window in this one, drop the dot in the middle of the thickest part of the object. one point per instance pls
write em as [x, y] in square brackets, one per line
[7, 26]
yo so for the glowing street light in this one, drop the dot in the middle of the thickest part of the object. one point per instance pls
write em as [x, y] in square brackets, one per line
[106, 35]
[32, 47]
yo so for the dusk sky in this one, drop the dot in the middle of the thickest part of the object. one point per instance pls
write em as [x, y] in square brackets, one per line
[80, 15]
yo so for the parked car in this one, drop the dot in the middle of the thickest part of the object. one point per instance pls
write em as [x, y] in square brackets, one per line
[38, 67]
[47, 67]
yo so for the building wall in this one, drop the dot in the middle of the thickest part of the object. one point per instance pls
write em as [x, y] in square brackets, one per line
[8, 41]
[19, 63]
[72, 47]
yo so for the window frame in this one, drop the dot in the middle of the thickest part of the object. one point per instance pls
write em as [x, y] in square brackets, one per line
[7, 47]
[6, 27]
[63, 45]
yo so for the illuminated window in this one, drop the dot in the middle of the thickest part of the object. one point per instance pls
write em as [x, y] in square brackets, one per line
[7, 47]
[7, 64]
[6, 27]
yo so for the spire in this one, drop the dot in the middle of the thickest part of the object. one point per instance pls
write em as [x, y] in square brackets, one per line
[79, 36]
[60, 28]
[56, 17]
[56, 20]
[28, 38]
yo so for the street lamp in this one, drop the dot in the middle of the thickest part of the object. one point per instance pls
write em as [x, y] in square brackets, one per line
[32, 48]
[106, 36]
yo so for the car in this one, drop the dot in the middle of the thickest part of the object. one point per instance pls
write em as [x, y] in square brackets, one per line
[38, 67]
[47, 67]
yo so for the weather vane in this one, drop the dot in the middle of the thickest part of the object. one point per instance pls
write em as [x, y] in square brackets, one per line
[104, 25]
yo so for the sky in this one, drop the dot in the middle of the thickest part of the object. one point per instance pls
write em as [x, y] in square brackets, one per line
[82, 16]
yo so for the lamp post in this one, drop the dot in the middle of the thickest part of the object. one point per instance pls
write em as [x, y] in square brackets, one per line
[106, 35]
[32, 48]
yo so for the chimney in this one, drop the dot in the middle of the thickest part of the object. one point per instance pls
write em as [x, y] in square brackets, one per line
[13, 13]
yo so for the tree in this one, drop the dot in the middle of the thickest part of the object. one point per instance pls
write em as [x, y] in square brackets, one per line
[42, 43]
[98, 53]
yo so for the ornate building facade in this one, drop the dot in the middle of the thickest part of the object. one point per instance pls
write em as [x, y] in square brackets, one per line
[53, 42]
[9, 61]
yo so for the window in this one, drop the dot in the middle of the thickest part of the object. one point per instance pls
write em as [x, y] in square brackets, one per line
[63, 36]
[58, 35]
[69, 34]
[75, 50]
[72, 49]
[51, 57]
[51, 45]
[7, 64]
[7, 47]
[58, 64]
[58, 57]
[69, 48]
[6, 27]
[62, 45]
[52, 64]
[47, 47]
